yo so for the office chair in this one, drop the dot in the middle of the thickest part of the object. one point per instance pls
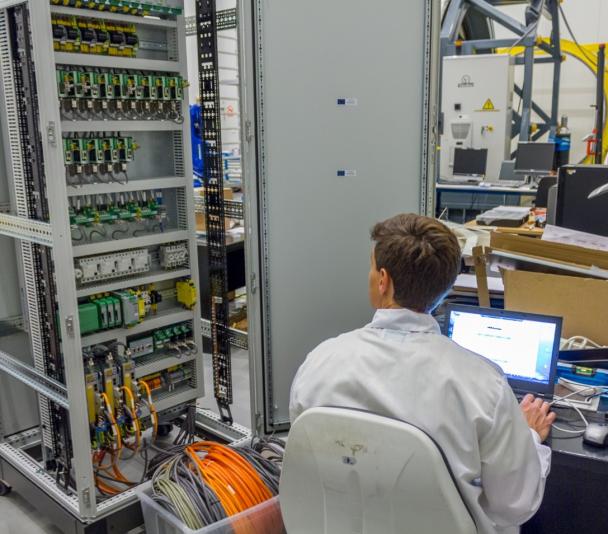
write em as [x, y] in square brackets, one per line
[349, 471]
[542, 193]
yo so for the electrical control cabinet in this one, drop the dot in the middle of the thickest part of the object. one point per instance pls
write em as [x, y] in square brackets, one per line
[97, 222]
[339, 113]
[477, 109]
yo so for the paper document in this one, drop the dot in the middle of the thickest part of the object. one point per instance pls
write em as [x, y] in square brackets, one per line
[469, 281]
[557, 234]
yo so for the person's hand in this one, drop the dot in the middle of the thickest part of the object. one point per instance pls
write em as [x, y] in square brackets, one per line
[537, 415]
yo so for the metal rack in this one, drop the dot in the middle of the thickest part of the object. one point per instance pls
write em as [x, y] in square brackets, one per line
[39, 221]
[215, 212]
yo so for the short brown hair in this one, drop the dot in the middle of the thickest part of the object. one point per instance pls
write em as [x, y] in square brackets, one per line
[422, 257]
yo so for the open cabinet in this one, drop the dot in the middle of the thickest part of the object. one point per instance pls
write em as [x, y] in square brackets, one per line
[339, 117]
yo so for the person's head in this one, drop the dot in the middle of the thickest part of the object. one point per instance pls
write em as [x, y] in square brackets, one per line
[414, 263]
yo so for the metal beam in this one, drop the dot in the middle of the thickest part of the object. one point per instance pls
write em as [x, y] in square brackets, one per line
[498, 16]
[26, 229]
[49, 388]
[453, 19]
[488, 44]
[535, 107]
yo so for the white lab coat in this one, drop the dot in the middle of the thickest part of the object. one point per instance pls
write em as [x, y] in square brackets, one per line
[401, 366]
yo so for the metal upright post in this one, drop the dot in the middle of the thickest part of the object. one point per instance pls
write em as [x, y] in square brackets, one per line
[599, 121]
[526, 114]
[50, 120]
[556, 52]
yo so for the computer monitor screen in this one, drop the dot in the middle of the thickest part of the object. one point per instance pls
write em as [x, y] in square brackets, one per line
[534, 158]
[470, 162]
[574, 209]
[525, 346]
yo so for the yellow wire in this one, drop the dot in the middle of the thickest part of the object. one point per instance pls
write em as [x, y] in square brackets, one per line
[112, 420]
[153, 413]
[129, 395]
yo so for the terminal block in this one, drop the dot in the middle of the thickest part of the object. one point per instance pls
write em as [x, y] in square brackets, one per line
[104, 159]
[187, 294]
[177, 339]
[169, 379]
[116, 215]
[173, 255]
[87, 94]
[109, 266]
[128, 7]
[118, 309]
[92, 36]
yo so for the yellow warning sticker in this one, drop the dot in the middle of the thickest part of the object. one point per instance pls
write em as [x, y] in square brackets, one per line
[488, 106]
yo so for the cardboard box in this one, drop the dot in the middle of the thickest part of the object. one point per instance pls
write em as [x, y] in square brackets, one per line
[582, 302]
[200, 217]
[559, 252]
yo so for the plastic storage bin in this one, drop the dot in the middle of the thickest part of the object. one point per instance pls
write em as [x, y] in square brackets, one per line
[262, 519]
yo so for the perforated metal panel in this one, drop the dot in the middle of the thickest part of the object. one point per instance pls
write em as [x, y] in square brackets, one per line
[341, 96]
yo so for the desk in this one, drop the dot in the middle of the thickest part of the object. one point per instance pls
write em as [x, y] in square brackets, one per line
[505, 196]
[576, 495]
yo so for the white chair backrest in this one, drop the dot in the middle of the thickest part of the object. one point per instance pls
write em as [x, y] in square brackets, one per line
[348, 471]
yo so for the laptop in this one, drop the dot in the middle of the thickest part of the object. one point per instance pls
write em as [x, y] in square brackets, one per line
[469, 165]
[524, 345]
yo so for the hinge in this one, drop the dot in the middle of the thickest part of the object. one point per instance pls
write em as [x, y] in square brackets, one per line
[86, 497]
[69, 325]
[253, 283]
[248, 131]
[51, 134]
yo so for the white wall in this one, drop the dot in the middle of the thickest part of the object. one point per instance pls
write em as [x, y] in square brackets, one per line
[229, 90]
[587, 19]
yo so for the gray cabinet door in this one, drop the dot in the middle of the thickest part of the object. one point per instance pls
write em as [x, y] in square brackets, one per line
[339, 113]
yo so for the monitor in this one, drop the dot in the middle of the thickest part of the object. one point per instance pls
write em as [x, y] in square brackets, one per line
[507, 171]
[525, 346]
[470, 162]
[575, 209]
[534, 158]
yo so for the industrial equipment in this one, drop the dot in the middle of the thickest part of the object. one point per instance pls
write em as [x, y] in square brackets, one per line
[372, 140]
[477, 109]
[104, 240]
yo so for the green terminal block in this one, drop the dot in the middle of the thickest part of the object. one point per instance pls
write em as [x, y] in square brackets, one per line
[118, 85]
[130, 309]
[126, 149]
[90, 85]
[144, 87]
[83, 150]
[106, 89]
[165, 85]
[88, 317]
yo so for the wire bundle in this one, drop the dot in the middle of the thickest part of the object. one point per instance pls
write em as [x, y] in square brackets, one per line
[205, 482]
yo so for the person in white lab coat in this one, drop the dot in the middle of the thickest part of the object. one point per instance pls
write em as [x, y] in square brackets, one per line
[401, 366]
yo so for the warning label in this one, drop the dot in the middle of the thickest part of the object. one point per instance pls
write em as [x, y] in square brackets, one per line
[488, 106]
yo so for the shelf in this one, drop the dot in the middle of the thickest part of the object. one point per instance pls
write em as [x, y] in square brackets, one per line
[121, 126]
[107, 15]
[113, 62]
[547, 262]
[161, 319]
[132, 242]
[167, 182]
[153, 363]
[116, 284]
[164, 400]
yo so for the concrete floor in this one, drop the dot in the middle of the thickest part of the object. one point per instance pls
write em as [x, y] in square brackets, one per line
[18, 516]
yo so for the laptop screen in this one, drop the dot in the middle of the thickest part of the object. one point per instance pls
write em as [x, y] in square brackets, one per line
[470, 162]
[525, 346]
